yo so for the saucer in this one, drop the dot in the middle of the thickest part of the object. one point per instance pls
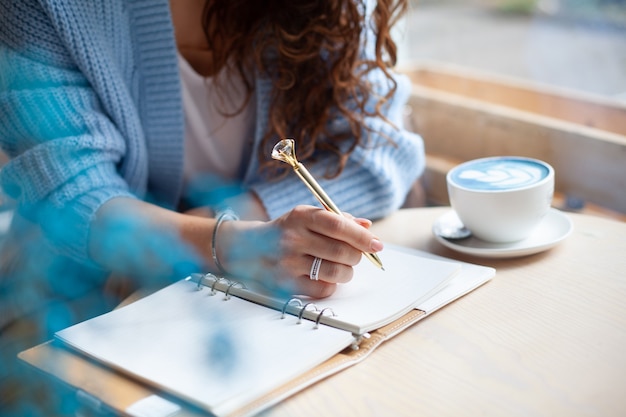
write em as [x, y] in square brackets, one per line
[554, 227]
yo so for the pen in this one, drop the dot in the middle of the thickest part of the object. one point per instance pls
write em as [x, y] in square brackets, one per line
[285, 151]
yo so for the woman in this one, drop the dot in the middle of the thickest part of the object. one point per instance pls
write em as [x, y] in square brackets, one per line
[95, 113]
[130, 125]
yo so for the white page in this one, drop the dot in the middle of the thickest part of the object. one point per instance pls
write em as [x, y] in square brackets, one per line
[374, 297]
[203, 348]
[469, 277]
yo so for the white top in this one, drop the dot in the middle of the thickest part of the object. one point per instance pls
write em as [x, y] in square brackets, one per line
[214, 142]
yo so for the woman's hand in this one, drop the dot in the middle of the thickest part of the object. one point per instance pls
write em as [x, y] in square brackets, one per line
[281, 252]
[154, 245]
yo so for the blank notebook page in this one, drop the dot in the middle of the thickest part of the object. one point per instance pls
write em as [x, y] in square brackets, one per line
[208, 350]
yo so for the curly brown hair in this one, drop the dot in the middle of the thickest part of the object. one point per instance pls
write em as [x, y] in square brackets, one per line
[311, 51]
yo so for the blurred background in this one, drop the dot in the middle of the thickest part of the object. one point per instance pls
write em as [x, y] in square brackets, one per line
[577, 44]
[538, 78]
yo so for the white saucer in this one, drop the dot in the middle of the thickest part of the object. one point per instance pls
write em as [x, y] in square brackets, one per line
[555, 227]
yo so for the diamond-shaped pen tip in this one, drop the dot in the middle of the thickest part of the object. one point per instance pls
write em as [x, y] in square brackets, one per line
[285, 151]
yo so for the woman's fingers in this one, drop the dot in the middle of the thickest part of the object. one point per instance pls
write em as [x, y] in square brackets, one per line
[286, 248]
[309, 233]
[367, 223]
[301, 265]
[316, 289]
[321, 269]
[363, 222]
[326, 248]
[345, 230]
[306, 219]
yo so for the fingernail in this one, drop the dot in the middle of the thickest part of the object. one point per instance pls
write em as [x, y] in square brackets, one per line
[363, 222]
[376, 245]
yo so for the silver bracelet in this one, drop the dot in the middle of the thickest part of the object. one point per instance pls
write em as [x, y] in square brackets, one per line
[223, 216]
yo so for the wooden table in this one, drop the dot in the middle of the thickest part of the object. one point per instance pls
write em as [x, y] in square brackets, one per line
[546, 337]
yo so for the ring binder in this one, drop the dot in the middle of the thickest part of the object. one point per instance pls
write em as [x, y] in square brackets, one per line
[303, 309]
[227, 293]
[294, 301]
[198, 276]
[202, 277]
[282, 316]
[215, 281]
[319, 316]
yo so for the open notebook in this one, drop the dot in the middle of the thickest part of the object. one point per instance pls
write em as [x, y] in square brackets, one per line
[230, 350]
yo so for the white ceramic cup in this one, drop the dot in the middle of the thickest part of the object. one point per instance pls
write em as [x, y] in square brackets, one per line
[501, 199]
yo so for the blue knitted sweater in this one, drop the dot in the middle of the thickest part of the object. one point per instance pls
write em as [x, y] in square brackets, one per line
[90, 110]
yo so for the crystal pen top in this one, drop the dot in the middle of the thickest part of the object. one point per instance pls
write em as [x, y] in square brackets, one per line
[285, 151]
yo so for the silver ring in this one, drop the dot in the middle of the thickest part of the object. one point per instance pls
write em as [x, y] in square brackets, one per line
[315, 269]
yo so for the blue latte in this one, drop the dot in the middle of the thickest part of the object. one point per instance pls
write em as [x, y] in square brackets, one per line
[493, 174]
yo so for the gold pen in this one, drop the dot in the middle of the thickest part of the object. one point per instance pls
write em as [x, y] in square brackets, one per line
[285, 151]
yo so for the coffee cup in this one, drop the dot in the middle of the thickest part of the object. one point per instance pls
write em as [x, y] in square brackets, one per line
[501, 199]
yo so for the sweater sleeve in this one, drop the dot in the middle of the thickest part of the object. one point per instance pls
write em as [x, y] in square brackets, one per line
[64, 151]
[378, 173]
[377, 176]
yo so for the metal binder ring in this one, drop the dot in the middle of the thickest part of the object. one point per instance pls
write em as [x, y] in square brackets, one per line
[319, 316]
[215, 281]
[202, 277]
[196, 276]
[304, 308]
[232, 284]
[315, 269]
[297, 300]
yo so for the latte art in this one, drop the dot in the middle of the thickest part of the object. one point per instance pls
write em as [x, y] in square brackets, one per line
[499, 174]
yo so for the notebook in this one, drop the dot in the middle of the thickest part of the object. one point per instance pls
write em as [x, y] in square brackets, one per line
[231, 350]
